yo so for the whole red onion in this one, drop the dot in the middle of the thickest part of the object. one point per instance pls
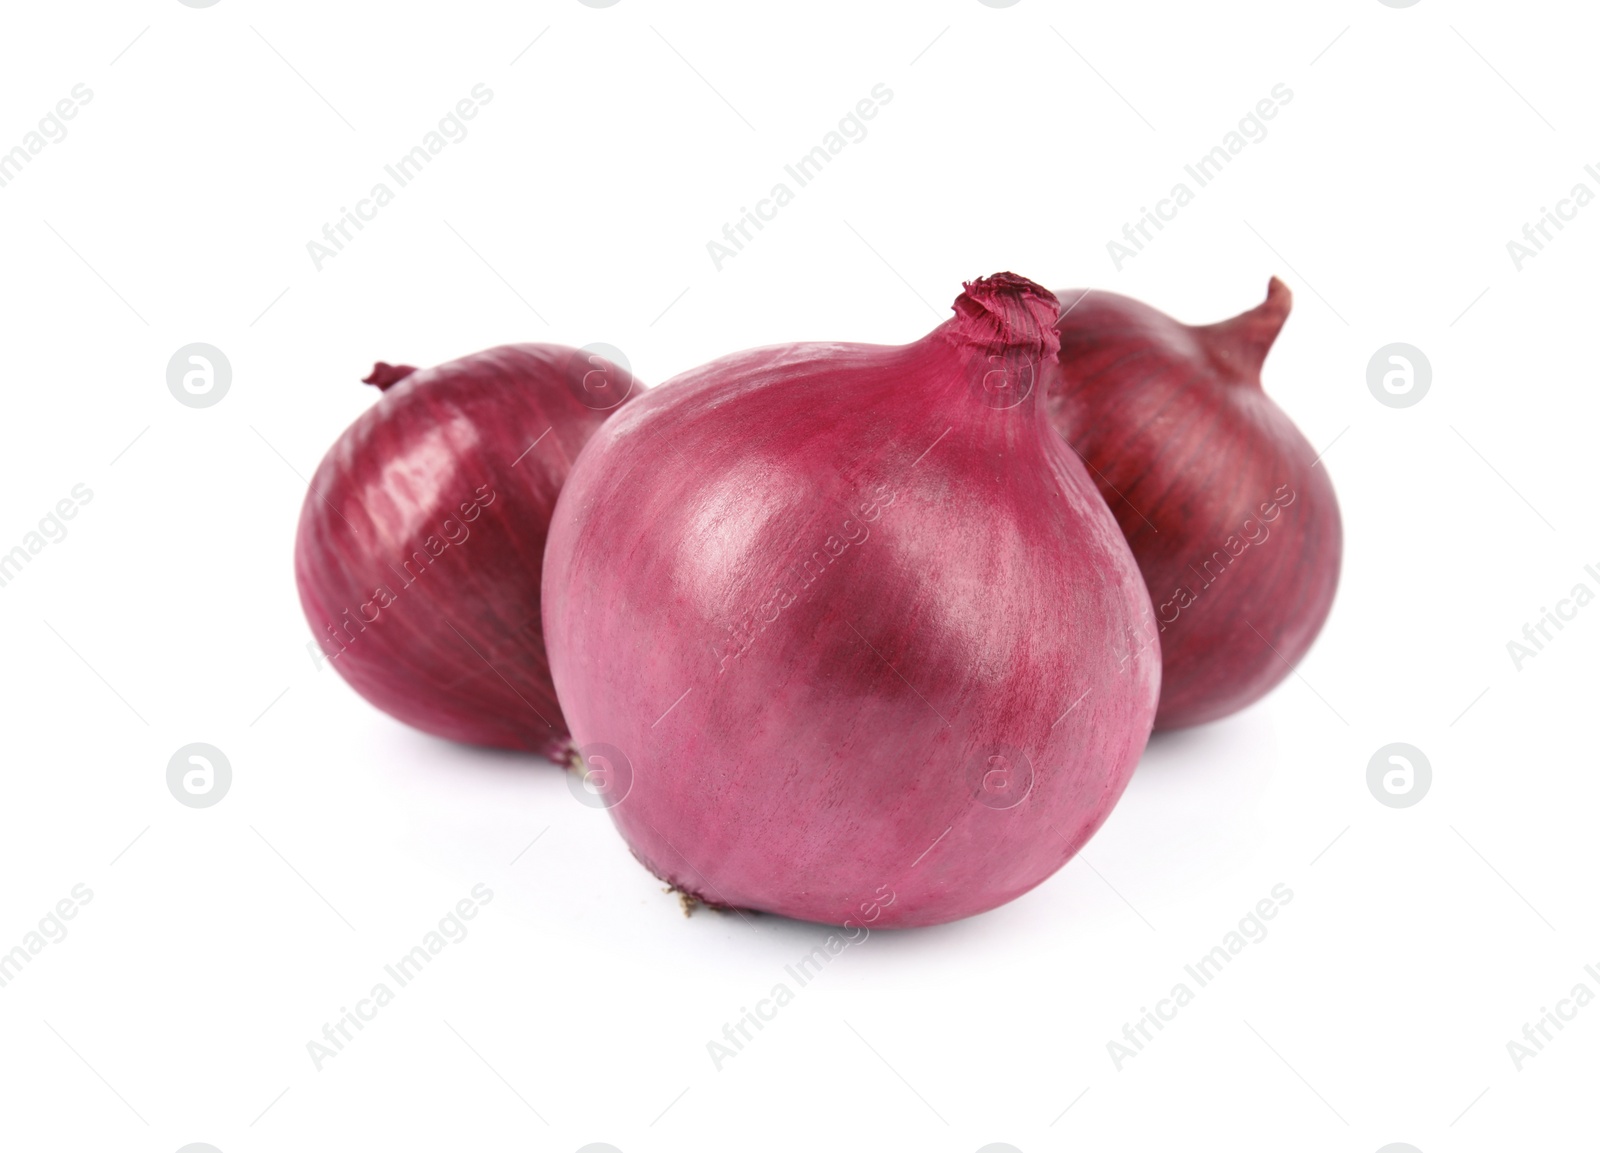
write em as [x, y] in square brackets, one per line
[421, 542]
[845, 632]
[1232, 519]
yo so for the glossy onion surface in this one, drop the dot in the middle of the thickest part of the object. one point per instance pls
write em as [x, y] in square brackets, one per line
[844, 632]
[421, 541]
[1232, 519]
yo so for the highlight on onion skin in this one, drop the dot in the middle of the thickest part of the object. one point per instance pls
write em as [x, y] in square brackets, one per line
[421, 541]
[1232, 519]
[846, 628]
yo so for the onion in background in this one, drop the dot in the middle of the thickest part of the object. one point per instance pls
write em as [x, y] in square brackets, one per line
[1233, 521]
[421, 542]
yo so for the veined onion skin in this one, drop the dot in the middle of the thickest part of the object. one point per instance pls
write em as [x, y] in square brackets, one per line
[853, 633]
[421, 541]
[1232, 518]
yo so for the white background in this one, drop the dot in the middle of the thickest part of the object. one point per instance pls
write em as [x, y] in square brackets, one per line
[219, 941]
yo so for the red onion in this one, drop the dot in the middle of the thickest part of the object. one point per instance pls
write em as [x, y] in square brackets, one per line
[1232, 519]
[845, 630]
[421, 541]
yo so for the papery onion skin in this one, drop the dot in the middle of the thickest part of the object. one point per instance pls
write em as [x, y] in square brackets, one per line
[817, 742]
[440, 496]
[1194, 459]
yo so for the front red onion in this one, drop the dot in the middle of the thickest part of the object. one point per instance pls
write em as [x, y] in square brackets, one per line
[845, 632]
[1232, 518]
[421, 541]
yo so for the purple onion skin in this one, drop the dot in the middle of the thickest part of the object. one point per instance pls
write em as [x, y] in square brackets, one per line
[435, 497]
[816, 742]
[1194, 460]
